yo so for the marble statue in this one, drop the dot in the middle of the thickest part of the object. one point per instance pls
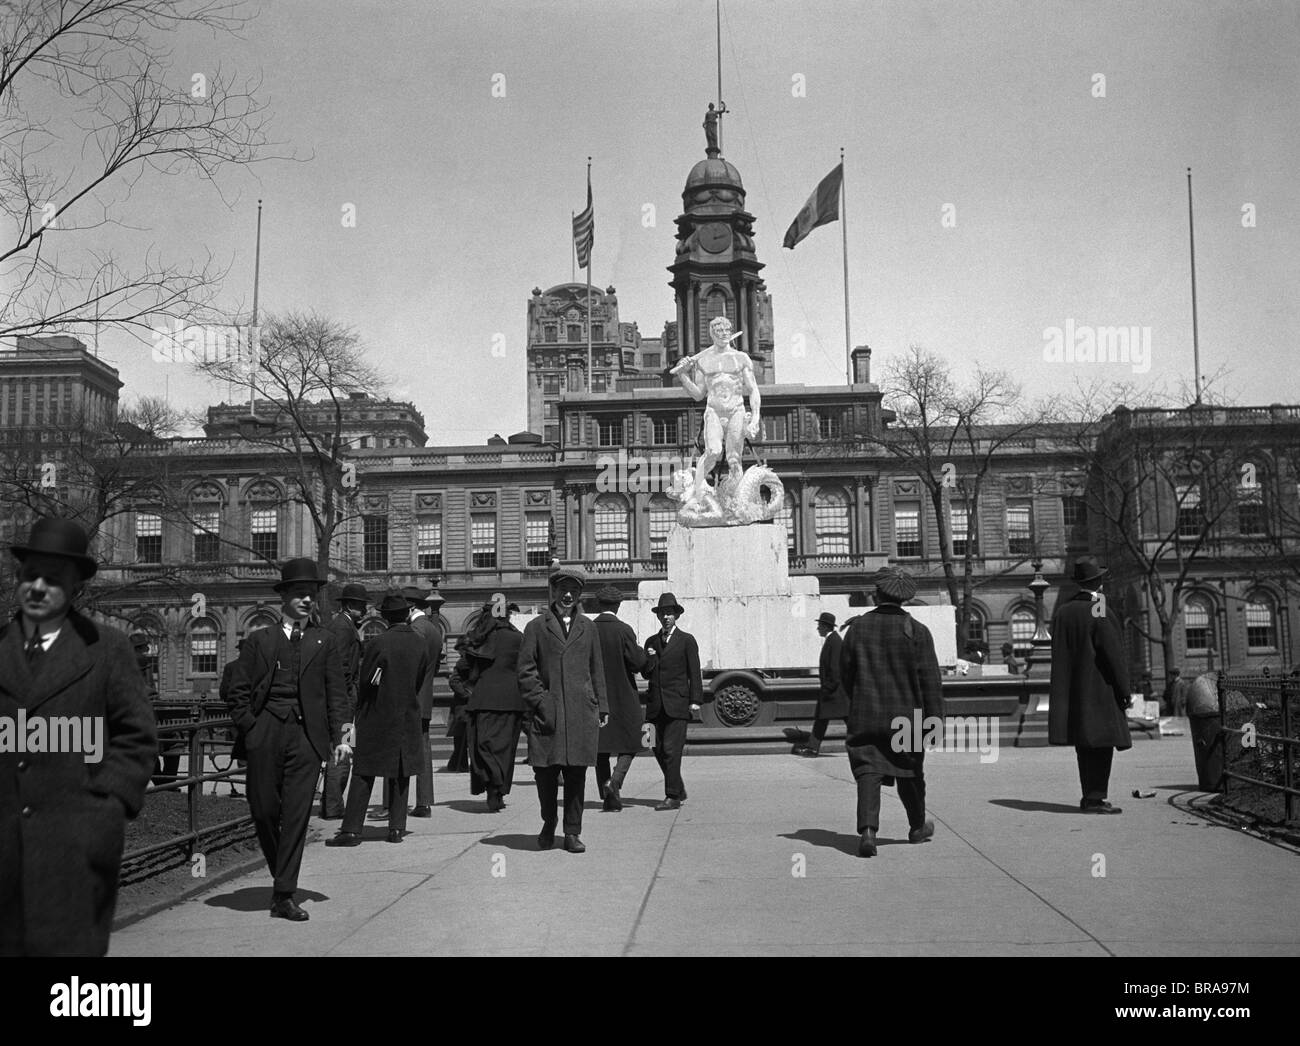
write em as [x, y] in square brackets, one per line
[723, 377]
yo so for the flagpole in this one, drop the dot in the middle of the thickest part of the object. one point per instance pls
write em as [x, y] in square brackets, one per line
[591, 377]
[844, 233]
[573, 251]
[1196, 344]
[717, 8]
[257, 279]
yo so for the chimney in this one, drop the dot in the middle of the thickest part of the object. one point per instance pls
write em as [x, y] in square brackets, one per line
[861, 359]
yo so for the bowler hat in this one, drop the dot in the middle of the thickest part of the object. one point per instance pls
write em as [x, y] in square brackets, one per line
[414, 595]
[668, 605]
[895, 585]
[393, 602]
[609, 596]
[571, 570]
[1087, 571]
[354, 592]
[826, 618]
[56, 536]
[298, 570]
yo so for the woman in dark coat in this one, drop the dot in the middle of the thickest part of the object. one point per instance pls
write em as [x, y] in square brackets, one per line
[496, 707]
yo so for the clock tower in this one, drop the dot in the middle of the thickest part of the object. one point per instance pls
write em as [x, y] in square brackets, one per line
[716, 272]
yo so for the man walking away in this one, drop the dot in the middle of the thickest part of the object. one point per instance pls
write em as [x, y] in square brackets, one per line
[676, 691]
[833, 703]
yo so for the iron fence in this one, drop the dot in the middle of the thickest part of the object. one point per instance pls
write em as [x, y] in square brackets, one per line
[1258, 736]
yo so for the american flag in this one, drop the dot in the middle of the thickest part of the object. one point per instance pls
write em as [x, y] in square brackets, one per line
[584, 230]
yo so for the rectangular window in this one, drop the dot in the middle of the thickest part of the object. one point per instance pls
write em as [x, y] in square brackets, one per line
[148, 538]
[830, 426]
[650, 361]
[203, 652]
[1020, 528]
[609, 431]
[551, 433]
[597, 332]
[575, 332]
[831, 520]
[775, 428]
[1074, 511]
[662, 517]
[907, 529]
[665, 428]
[207, 538]
[374, 542]
[551, 412]
[552, 384]
[551, 334]
[266, 533]
[599, 382]
[1250, 511]
[538, 536]
[1190, 519]
[483, 540]
[428, 543]
[1259, 627]
[958, 520]
[1196, 627]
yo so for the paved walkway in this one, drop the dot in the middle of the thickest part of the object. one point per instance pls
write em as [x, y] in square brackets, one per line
[1013, 869]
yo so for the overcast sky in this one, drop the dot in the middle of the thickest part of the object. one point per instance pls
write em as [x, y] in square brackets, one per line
[1068, 207]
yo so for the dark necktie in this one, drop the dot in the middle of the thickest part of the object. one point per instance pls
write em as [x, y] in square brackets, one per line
[35, 648]
[296, 635]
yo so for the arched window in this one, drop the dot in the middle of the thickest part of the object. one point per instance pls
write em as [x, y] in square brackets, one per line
[372, 627]
[977, 627]
[1022, 630]
[662, 515]
[1196, 625]
[786, 518]
[203, 647]
[831, 517]
[1261, 629]
[611, 528]
[205, 522]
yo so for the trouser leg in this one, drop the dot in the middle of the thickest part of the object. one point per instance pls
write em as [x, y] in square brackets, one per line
[575, 784]
[424, 776]
[621, 768]
[262, 780]
[818, 735]
[354, 814]
[912, 791]
[548, 788]
[400, 789]
[1094, 772]
[670, 743]
[868, 802]
[602, 771]
[300, 773]
[336, 783]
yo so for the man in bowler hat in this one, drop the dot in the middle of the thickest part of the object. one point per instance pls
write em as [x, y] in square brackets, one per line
[388, 742]
[343, 627]
[1090, 690]
[62, 813]
[423, 622]
[562, 678]
[676, 691]
[621, 736]
[288, 698]
[833, 702]
[890, 671]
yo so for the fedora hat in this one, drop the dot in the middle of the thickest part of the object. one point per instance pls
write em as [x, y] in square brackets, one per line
[609, 596]
[571, 570]
[394, 602]
[826, 618]
[56, 536]
[296, 570]
[354, 593]
[1087, 571]
[414, 595]
[894, 584]
[668, 605]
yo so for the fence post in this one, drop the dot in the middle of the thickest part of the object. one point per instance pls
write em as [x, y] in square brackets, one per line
[194, 786]
[1288, 777]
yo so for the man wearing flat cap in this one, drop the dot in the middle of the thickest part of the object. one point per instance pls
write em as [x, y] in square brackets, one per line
[676, 691]
[289, 701]
[833, 702]
[343, 626]
[424, 623]
[621, 736]
[1090, 687]
[890, 671]
[562, 678]
[63, 813]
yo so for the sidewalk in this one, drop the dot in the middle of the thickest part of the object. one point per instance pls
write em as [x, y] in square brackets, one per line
[1011, 871]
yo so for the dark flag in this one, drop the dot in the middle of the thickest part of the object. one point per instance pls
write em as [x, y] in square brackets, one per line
[584, 230]
[823, 206]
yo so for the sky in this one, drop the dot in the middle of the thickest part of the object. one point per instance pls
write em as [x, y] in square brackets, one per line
[996, 188]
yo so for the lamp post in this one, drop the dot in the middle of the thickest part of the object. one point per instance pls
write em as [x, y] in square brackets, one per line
[1042, 640]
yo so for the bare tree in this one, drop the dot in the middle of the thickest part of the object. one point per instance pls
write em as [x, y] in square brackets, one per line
[90, 108]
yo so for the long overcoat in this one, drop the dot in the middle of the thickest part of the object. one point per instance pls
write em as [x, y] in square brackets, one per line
[430, 631]
[63, 819]
[622, 656]
[389, 742]
[563, 682]
[833, 702]
[493, 677]
[1089, 678]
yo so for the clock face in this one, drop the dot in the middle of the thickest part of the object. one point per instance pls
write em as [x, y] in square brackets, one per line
[714, 237]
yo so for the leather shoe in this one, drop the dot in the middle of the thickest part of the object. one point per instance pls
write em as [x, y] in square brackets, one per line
[923, 834]
[669, 804]
[1090, 806]
[574, 845]
[867, 843]
[345, 839]
[421, 811]
[395, 835]
[808, 753]
[285, 908]
[546, 838]
[613, 801]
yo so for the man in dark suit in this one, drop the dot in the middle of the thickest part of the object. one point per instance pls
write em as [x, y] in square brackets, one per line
[676, 690]
[621, 736]
[387, 722]
[428, 629]
[890, 671]
[63, 812]
[1089, 686]
[289, 701]
[343, 627]
[833, 703]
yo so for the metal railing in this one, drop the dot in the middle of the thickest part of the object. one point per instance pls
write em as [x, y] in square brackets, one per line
[1259, 734]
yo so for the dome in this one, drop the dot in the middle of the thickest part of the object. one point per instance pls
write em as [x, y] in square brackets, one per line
[711, 172]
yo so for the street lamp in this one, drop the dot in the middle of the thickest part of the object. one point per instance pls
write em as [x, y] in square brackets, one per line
[1042, 640]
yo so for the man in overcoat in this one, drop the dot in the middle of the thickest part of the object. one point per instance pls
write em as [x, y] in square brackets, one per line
[423, 621]
[1089, 691]
[676, 691]
[343, 627]
[621, 737]
[388, 738]
[832, 702]
[562, 678]
[63, 813]
[289, 701]
[889, 669]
